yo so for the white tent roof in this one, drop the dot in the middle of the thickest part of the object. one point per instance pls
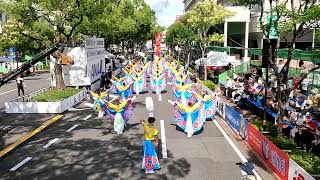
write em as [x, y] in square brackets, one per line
[218, 59]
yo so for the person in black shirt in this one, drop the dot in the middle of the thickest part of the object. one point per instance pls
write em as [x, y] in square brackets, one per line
[20, 85]
[103, 80]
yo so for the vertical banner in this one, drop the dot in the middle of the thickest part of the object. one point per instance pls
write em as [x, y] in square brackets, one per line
[277, 160]
[233, 118]
[244, 128]
[297, 173]
[158, 43]
[220, 107]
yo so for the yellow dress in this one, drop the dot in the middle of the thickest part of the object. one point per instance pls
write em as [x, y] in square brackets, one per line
[150, 132]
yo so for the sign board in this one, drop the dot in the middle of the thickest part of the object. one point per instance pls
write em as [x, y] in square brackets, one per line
[11, 53]
[233, 118]
[220, 107]
[297, 173]
[277, 160]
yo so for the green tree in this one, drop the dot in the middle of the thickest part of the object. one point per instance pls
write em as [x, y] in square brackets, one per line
[293, 19]
[61, 18]
[181, 35]
[204, 15]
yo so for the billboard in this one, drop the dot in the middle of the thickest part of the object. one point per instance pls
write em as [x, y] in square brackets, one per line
[277, 160]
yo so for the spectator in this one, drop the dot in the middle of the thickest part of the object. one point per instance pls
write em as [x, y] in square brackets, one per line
[103, 84]
[20, 85]
[280, 66]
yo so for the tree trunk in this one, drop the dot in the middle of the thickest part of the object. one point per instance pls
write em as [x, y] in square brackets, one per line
[283, 80]
[59, 78]
[204, 64]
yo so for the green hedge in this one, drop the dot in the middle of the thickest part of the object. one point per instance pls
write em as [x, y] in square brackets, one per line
[54, 95]
[307, 160]
[210, 85]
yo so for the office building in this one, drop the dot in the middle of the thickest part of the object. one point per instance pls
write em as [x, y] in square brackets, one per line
[243, 29]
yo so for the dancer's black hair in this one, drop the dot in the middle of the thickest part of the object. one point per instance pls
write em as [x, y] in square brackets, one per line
[151, 120]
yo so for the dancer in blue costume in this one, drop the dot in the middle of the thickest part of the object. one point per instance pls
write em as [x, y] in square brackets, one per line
[208, 101]
[120, 114]
[100, 102]
[139, 80]
[158, 83]
[188, 117]
[184, 93]
[150, 161]
[124, 91]
[115, 82]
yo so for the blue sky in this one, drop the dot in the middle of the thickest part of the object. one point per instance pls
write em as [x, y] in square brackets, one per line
[166, 10]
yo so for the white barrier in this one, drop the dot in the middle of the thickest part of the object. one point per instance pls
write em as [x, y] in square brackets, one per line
[45, 107]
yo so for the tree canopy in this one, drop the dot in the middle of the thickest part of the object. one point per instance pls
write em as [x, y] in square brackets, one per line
[45, 21]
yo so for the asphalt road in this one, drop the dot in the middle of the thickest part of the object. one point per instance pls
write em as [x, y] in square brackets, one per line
[92, 150]
[33, 83]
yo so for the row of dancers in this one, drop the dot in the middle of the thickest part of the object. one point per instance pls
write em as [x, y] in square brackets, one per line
[190, 109]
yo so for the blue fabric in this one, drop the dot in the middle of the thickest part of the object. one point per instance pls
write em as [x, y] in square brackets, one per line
[150, 157]
[207, 106]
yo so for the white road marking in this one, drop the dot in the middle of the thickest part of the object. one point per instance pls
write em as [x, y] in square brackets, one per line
[236, 149]
[87, 117]
[169, 83]
[20, 164]
[48, 79]
[50, 143]
[171, 102]
[8, 91]
[160, 97]
[163, 140]
[72, 128]
[133, 98]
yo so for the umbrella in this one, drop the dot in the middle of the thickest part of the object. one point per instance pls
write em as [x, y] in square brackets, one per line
[3, 70]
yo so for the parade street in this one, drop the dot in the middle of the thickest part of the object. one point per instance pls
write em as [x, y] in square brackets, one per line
[82, 146]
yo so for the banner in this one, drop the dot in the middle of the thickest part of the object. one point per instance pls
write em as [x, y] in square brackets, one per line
[158, 44]
[220, 107]
[297, 173]
[233, 118]
[244, 128]
[277, 160]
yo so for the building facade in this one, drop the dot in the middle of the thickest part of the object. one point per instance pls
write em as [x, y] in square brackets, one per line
[243, 29]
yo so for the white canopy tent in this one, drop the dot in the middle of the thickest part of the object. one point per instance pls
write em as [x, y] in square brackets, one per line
[218, 59]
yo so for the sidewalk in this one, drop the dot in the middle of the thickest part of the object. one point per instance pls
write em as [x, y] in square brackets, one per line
[264, 172]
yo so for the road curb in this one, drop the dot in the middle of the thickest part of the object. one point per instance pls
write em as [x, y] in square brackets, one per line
[29, 135]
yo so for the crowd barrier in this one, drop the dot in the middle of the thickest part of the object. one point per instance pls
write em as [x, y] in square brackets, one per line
[277, 160]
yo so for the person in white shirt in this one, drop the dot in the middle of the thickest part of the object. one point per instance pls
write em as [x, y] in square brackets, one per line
[304, 86]
[280, 66]
[20, 85]
[229, 85]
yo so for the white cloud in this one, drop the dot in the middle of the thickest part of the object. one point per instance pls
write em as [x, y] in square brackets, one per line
[166, 10]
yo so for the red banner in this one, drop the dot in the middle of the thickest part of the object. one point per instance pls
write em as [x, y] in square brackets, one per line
[277, 160]
[158, 44]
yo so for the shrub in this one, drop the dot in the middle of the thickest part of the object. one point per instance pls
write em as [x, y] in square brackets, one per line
[282, 143]
[307, 160]
[54, 95]
[210, 85]
[269, 127]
